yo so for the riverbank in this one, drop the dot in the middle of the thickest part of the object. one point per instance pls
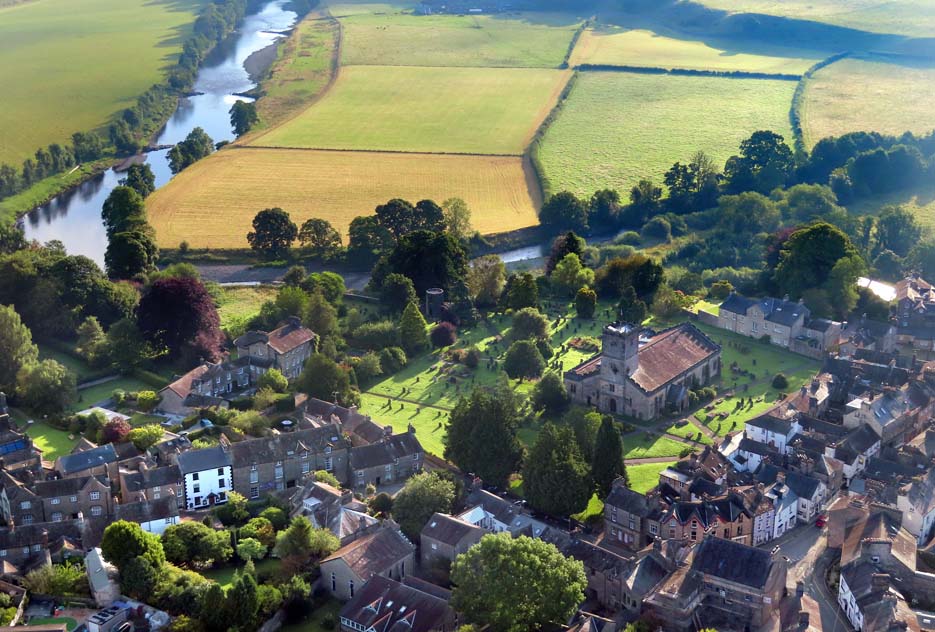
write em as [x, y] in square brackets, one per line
[15, 207]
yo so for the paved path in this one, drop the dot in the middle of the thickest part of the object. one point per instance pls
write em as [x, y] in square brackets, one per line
[241, 273]
[103, 380]
[652, 459]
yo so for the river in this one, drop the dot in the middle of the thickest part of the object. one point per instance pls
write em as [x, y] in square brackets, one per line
[74, 218]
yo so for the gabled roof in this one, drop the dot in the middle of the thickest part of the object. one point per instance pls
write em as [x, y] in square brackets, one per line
[285, 445]
[385, 605]
[29, 534]
[448, 529]
[146, 510]
[783, 312]
[155, 477]
[204, 459]
[737, 304]
[95, 457]
[289, 336]
[183, 386]
[803, 486]
[754, 447]
[374, 553]
[631, 501]
[68, 486]
[772, 424]
[386, 452]
[732, 561]
[670, 353]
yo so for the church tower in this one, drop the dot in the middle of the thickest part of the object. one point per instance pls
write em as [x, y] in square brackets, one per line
[620, 345]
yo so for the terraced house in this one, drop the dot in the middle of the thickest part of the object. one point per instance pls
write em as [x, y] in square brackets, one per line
[645, 376]
[270, 464]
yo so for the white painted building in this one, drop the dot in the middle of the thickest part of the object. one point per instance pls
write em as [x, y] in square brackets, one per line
[848, 604]
[772, 431]
[207, 476]
[785, 508]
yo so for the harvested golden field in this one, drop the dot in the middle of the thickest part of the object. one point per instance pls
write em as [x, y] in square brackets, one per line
[617, 46]
[854, 95]
[212, 203]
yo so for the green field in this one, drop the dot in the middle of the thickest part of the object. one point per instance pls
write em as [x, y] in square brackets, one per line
[453, 110]
[616, 46]
[645, 476]
[617, 128]
[52, 441]
[395, 38]
[239, 304]
[903, 17]
[68, 65]
[854, 95]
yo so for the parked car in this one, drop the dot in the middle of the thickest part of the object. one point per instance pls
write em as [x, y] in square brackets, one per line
[821, 521]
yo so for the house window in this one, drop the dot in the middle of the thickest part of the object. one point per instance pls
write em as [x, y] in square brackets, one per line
[434, 546]
[329, 465]
[350, 587]
[254, 476]
[220, 471]
[96, 510]
[222, 497]
[653, 529]
[327, 451]
[195, 476]
[2, 552]
[57, 516]
[170, 520]
[694, 535]
[157, 494]
[279, 470]
[73, 499]
[27, 519]
[306, 467]
[25, 505]
[36, 548]
[740, 529]
[25, 550]
[254, 492]
[196, 488]
[334, 584]
[56, 501]
[221, 483]
[632, 524]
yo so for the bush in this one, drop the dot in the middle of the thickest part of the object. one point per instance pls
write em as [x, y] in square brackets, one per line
[146, 401]
[523, 360]
[780, 382]
[472, 358]
[628, 238]
[377, 336]
[720, 290]
[443, 335]
[327, 622]
[658, 228]
[393, 360]
[545, 348]
[273, 380]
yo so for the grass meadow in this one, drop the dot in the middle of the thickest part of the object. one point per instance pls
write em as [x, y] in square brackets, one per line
[616, 46]
[395, 38]
[68, 65]
[617, 128]
[301, 71]
[212, 203]
[239, 304]
[905, 17]
[451, 110]
[855, 95]
[645, 476]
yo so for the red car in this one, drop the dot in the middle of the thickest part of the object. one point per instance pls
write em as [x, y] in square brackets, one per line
[821, 521]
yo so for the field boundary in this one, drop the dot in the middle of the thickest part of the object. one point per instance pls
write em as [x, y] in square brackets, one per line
[586, 24]
[689, 72]
[532, 150]
[798, 98]
[377, 151]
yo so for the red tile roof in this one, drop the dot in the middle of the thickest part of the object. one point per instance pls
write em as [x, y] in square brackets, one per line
[183, 386]
[671, 353]
[375, 553]
[288, 337]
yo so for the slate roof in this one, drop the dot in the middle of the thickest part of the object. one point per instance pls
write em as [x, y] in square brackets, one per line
[782, 312]
[448, 530]
[732, 561]
[803, 486]
[95, 457]
[754, 447]
[820, 324]
[598, 559]
[29, 534]
[183, 386]
[771, 424]
[204, 459]
[155, 477]
[351, 421]
[374, 553]
[737, 304]
[631, 501]
[66, 486]
[277, 447]
[386, 452]
[385, 605]
[670, 353]
[289, 336]
[861, 439]
[146, 510]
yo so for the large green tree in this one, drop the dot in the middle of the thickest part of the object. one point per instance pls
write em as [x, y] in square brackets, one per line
[46, 388]
[16, 348]
[521, 291]
[523, 360]
[322, 378]
[516, 585]
[141, 179]
[556, 479]
[897, 230]
[482, 434]
[809, 255]
[640, 272]
[243, 116]
[130, 253]
[273, 232]
[123, 208]
[320, 238]
[196, 146]
[423, 495]
[549, 394]
[765, 163]
[412, 330]
[429, 259]
[397, 292]
[299, 543]
[607, 463]
[486, 280]
[564, 211]
[193, 542]
[125, 540]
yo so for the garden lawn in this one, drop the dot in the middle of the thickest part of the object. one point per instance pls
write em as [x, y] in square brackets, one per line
[854, 95]
[645, 476]
[225, 576]
[212, 203]
[395, 38]
[138, 420]
[240, 304]
[594, 509]
[426, 421]
[617, 128]
[89, 397]
[79, 367]
[641, 445]
[616, 46]
[314, 622]
[70, 623]
[69, 65]
[419, 109]
[52, 441]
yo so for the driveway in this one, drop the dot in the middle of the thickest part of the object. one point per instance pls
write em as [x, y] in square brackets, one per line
[244, 274]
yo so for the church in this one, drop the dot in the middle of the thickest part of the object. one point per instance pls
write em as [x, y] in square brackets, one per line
[644, 376]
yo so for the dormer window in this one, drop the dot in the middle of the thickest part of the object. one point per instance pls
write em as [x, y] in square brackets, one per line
[327, 451]
[305, 452]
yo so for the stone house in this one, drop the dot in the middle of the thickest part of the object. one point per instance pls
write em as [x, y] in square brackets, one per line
[644, 379]
[386, 604]
[692, 521]
[18, 455]
[915, 313]
[631, 519]
[810, 491]
[206, 476]
[386, 552]
[65, 499]
[95, 461]
[154, 516]
[864, 334]
[286, 348]
[498, 515]
[40, 542]
[394, 458]
[614, 581]
[269, 464]
[726, 585]
[209, 385]
[781, 320]
[152, 484]
[334, 509]
[445, 537]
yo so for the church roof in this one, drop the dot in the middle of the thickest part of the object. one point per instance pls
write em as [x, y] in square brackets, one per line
[670, 353]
